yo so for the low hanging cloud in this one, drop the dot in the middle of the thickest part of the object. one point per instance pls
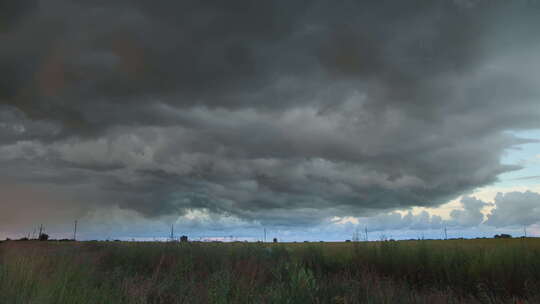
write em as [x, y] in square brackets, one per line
[515, 209]
[471, 215]
[396, 221]
[278, 113]
[511, 209]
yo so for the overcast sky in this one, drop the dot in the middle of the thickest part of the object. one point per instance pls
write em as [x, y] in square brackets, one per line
[308, 118]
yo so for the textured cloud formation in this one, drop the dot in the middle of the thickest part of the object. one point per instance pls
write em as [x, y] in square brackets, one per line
[471, 215]
[396, 221]
[274, 112]
[509, 209]
[515, 209]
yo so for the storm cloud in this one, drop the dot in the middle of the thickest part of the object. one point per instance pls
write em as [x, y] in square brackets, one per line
[270, 112]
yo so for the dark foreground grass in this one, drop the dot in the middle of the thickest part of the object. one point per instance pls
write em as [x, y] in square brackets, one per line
[460, 271]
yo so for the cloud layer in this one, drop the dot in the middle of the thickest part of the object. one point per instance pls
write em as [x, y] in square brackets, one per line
[509, 210]
[278, 113]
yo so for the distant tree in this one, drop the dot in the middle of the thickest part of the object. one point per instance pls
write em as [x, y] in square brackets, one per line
[502, 236]
[183, 238]
[275, 240]
[43, 237]
[347, 241]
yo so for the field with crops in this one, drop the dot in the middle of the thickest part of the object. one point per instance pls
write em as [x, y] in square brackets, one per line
[424, 271]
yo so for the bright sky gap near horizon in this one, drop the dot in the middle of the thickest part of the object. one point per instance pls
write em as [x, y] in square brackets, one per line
[310, 119]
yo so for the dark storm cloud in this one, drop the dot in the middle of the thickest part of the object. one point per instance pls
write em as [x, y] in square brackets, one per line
[13, 12]
[269, 111]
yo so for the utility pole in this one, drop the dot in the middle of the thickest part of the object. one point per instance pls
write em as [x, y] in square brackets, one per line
[172, 232]
[524, 230]
[75, 231]
[265, 235]
[40, 230]
[356, 235]
[445, 233]
[365, 230]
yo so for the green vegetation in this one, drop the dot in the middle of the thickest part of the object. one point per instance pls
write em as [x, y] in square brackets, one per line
[453, 271]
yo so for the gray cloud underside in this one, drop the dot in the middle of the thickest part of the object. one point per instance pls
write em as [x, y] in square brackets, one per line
[269, 111]
[515, 209]
[512, 209]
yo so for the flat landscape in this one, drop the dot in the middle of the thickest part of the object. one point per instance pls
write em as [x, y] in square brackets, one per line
[387, 150]
[422, 271]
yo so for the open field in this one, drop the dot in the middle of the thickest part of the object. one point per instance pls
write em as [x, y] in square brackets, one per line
[453, 271]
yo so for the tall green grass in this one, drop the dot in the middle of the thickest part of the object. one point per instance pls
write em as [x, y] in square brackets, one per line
[464, 271]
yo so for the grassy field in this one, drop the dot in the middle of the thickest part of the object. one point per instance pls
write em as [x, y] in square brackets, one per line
[453, 271]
